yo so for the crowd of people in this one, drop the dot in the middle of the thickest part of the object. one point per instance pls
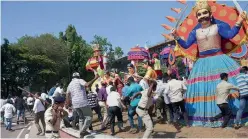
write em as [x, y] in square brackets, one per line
[137, 95]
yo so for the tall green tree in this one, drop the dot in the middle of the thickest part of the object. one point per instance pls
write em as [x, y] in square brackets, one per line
[79, 51]
[118, 52]
[103, 43]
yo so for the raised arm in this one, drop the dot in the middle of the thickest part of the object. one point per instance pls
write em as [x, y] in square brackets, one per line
[226, 31]
[88, 84]
[185, 44]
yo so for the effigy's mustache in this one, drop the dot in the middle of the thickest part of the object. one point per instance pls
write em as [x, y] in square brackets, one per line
[204, 19]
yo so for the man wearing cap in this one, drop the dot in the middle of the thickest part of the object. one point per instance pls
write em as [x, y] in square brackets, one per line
[53, 117]
[76, 92]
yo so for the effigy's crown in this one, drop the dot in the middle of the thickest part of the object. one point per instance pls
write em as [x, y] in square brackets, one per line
[96, 47]
[202, 4]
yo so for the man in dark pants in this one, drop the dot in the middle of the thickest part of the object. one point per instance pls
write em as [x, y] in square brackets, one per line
[39, 111]
[222, 93]
[20, 106]
[93, 103]
[115, 104]
[174, 91]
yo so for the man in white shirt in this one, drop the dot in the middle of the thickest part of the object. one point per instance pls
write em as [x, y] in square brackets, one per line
[159, 99]
[222, 93]
[76, 95]
[109, 87]
[8, 110]
[168, 105]
[58, 90]
[115, 104]
[175, 92]
[3, 101]
[30, 103]
[39, 110]
[143, 84]
[144, 104]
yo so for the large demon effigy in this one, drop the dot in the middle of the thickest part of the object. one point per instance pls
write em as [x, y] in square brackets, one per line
[208, 35]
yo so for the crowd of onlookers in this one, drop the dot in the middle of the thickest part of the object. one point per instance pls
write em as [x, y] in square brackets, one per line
[163, 97]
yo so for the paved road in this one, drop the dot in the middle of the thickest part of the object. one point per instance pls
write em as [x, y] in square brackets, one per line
[20, 129]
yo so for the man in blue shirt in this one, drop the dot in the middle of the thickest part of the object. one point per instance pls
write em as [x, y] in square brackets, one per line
[132, 90]
[125, 99]
[51, 91]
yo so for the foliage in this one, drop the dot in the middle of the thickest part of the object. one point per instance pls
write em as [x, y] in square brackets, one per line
[118, 52]
[141, 71]
[79, 52]
[103, 42]
[41, 61]
[181, 66]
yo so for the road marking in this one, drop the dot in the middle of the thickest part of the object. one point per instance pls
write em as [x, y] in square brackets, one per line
[29, 128]
[19, 135]
[26, 136]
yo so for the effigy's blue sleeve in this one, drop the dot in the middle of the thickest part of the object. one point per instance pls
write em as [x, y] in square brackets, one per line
[191, 39]
[226, 31]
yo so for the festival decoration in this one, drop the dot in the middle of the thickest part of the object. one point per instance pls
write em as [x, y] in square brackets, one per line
[167, 27]
[171, 19]
[137, 54]
[182, 1]
[240, 52]
[168, 37]
[177, 10]
[172, 57]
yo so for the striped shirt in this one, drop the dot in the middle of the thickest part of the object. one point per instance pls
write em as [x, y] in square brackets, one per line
[78, 93]
[242, 80]
[92, 100]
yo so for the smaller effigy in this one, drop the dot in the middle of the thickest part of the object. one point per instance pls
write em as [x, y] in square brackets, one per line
[157, 64]
[97, 63]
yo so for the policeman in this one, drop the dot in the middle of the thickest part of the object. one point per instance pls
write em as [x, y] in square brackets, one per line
[53, 117]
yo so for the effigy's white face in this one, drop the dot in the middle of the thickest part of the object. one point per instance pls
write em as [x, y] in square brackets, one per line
[203, 16]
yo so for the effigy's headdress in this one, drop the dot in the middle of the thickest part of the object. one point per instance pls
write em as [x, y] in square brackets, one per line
[96, 49]
[202, 4]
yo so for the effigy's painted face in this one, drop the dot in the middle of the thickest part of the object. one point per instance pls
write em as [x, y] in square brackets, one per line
[203, 16]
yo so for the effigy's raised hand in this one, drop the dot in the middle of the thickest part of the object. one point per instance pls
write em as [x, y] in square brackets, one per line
[174, 33]
[242, 17]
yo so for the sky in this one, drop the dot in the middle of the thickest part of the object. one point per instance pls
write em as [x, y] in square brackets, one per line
[125, 24]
